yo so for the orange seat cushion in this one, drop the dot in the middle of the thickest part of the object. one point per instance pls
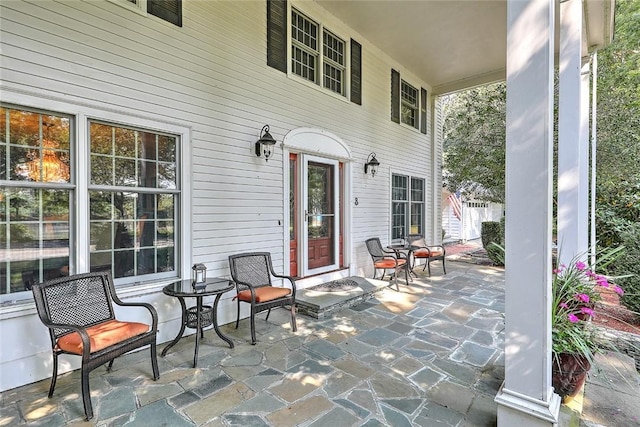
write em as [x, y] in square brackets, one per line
[102, 335]
[389, 263]
[264, 294]
[423, 253]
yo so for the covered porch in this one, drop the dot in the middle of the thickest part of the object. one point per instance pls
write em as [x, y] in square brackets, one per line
[431, 354]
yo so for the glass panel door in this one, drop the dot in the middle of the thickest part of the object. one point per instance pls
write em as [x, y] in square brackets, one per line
[321, 221]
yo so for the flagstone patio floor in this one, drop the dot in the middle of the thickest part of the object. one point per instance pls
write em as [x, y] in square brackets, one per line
[427, 355]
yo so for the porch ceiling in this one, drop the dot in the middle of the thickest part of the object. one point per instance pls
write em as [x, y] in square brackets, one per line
[452, 44]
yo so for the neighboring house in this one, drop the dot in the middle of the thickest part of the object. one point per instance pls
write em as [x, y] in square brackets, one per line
[129, 132]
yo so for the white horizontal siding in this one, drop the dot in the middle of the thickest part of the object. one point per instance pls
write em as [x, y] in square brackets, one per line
[211, 77]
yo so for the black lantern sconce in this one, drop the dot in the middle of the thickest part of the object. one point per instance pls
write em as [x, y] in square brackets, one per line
[264, 146]
[371, 165]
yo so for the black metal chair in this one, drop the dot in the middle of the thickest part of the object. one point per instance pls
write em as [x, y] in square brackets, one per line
[252, 274]
[386, 260]
[427, 252]
[78, 310]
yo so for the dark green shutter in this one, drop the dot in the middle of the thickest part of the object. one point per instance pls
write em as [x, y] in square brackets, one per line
[356, 72]
[169, 10]
[395, 96]
[423, 110]
[277, 34]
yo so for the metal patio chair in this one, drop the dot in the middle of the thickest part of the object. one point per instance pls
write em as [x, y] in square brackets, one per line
[79, 313]
[252, 273]
[428, 253]
[386, 260]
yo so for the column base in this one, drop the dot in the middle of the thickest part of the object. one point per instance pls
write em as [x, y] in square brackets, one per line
[517, 409]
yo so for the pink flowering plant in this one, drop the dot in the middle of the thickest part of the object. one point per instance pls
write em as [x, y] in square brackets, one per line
[576, 289]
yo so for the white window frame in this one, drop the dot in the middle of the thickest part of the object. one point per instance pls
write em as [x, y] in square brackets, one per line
[406, 104]
[140, 6]
[318, 81]
[408, 204]
[80, 117]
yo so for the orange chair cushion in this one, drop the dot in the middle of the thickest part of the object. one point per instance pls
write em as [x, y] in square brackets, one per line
[264, 294]
[389, 263]
[102, 335]
[423, 253]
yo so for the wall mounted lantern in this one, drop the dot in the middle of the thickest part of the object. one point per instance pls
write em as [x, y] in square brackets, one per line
[372, 164]
[264, 146]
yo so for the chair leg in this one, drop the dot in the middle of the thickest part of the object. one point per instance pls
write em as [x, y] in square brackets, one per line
[110, 365]
[55, 374]
[425, 265]
[294, 325]
[268, 313]
[154, 362]
[429, 267]
[238, 317]
[86, 395]
[443, 267]
[253, 326]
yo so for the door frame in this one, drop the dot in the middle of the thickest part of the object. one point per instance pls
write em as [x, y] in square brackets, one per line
[320, 143]
[303, 218]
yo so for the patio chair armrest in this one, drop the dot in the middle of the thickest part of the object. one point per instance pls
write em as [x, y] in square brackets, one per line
[291, 280]
[149, 307]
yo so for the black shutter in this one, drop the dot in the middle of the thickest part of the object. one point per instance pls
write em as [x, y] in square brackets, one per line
[395, 96]
[356, 72]
[169, 10]
[423, 110]
[277, 34]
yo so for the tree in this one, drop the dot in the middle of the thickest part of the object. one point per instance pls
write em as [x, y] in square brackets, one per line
[474, 142]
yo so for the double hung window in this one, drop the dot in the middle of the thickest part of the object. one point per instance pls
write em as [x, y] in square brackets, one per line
[409, 104]
[129, 200]
[317, 59]
[407, 206]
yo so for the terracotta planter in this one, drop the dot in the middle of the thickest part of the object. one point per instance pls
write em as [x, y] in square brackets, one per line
[569, 373]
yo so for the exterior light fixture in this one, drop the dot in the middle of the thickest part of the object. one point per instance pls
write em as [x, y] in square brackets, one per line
[199, 275]
[264, 146]
[372, 164]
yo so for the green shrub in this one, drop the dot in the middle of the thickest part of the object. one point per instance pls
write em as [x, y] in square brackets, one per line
[490, 232]
[628, 264]
[495, 252]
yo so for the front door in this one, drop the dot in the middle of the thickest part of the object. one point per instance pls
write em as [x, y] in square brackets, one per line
[321, 219]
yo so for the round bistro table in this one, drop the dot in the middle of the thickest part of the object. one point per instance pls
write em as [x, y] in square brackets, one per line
[199, 316]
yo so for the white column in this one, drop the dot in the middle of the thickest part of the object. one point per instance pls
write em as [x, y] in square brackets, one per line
[573, 136]
[526, 397]
[594, 140]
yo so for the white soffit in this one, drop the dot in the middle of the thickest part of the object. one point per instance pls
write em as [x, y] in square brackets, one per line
[450, 44]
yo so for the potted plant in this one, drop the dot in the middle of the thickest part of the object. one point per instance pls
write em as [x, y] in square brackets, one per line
[575, 292]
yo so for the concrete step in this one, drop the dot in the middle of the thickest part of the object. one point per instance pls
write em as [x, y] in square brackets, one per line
[320, 300]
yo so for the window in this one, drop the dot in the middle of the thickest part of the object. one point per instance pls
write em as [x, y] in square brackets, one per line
[133, 197]
[409, 104]
[407, 206]
[131, 203]
[306, 60]
[313, 52]
[168, 10]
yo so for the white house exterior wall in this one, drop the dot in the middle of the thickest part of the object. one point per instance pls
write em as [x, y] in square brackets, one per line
[210, 77]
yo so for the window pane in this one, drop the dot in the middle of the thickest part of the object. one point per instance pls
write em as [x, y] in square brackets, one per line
[398, 220]
[416, 218]
[417, 190]
[34, 237]
[135, 230]
[399, 189]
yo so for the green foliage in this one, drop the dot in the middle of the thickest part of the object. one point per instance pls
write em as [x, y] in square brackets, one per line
[474, 141]
[490, 231]
[496, 252]
[628, 265]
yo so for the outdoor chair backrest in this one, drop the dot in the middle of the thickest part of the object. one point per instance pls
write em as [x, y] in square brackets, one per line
[375, 248]
[252, 268]
[416, 240]
[84, 300]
